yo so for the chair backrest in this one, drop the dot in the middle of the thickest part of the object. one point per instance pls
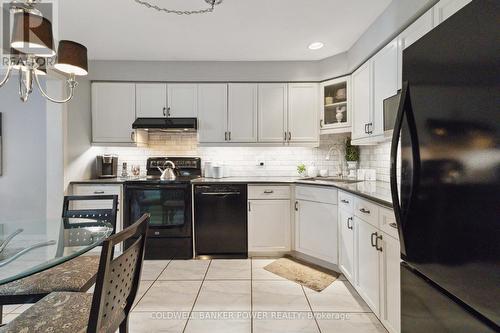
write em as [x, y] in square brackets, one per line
[118, 278]
[102, 214]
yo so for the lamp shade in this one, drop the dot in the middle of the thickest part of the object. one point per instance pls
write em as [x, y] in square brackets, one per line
[72, 58]
[32, 34]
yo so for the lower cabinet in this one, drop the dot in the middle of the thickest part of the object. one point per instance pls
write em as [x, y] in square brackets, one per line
[369, 256]
[316, 230]
[368, 265]
[269, 225]
[390, 310]
[346, 244]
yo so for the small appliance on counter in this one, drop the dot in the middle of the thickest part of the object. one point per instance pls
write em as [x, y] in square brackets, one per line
[107, 166]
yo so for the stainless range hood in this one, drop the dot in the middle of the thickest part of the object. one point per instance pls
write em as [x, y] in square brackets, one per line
[167, 124]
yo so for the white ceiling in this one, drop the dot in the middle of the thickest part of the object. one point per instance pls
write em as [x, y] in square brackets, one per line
[237, 30]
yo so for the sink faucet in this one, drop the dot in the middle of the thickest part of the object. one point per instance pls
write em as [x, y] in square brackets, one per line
[340, 169]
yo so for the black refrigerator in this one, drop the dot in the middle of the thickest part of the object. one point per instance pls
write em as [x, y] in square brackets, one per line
[446, 189]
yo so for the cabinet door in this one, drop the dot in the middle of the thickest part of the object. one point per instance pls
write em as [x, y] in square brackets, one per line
[385, 82]
[303, 116]
[113, 112]
[346, 244]
[361, 101]
[151, 100]
[390, 311]
[368, 275]
[183, 100]
[316, 230]
[446, 8]
[212, 112]
[272, 109]
[269, 225]
[242, 112]
[410, 35]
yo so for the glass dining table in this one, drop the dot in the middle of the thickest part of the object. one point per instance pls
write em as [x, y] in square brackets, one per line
[29, 248]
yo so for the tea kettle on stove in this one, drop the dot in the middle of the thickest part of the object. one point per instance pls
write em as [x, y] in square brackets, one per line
[168, 173]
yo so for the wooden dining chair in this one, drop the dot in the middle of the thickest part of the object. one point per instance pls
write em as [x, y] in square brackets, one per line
[77, 274]
[108, 308]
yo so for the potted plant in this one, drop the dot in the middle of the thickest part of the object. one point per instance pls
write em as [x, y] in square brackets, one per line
[351, 155]
[301, 170]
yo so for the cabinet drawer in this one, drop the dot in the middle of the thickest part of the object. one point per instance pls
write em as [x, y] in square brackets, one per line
[264, 192]
[317, 194]
[96, 189]
[346, 202]
[387, 222]
[366, 211]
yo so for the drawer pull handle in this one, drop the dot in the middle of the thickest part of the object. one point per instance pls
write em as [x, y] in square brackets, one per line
[344, 201]
[365, 211]
[394, 225]
[374, 239]
[98, 192]
[268, 191]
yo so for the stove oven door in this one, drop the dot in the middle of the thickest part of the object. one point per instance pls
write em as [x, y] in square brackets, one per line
[169, 206]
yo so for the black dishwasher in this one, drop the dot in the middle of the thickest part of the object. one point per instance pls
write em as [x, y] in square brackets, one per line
[220, 223]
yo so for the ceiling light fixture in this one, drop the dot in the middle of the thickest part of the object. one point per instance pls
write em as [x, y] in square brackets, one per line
[210, 9]
[32, 47]
[316, 46]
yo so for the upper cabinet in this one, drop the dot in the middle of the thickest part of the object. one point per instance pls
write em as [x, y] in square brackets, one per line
[272, 111]
[182, 100]
[303, 119]
[362, 105]
[158, 100]
[335, 106]
[242, 112]
[151, 100]
[446, 8]
[113, 112]
[212, 112]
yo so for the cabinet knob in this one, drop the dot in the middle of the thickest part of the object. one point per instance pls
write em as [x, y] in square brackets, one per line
[344, 201]
[132, 136]
[379, 248]
[321, 123]
[394, 225]
[373, 239]
[164, 112]
[349, 225]
[289, 136]
[296, 206]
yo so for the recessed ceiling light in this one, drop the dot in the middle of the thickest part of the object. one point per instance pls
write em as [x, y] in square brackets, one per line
[316, 46]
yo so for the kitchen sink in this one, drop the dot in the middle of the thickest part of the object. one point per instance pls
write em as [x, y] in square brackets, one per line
[333, 180]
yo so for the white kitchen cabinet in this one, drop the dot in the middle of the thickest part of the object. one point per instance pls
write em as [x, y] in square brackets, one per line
[303, 116]
[113, 112]
[335, 102]
[316, 230]
[182, 100]
[385, 83]
[346, 244]
[410, 35]
[390, 288]
[446, 8]
[151, 100]
[272, 110]
[362, 101]
[368, 264]
[242, 112]
[212, 112]
[269, 226]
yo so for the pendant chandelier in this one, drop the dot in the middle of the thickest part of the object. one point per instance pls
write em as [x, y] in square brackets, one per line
[209, 9]
[32, 50]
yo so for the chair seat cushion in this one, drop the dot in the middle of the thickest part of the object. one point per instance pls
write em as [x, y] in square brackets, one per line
[60, 312]
[72, 275]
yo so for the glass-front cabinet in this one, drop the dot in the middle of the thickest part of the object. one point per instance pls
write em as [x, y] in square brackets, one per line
[335, 106]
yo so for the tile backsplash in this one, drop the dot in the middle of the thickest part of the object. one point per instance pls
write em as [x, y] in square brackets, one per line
[243, 161]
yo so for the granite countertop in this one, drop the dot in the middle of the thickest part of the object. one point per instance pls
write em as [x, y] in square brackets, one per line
[377, 191]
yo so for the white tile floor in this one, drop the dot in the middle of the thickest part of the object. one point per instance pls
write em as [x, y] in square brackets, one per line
[238, 296]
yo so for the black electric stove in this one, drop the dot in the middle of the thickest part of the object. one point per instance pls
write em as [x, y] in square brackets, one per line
[169, 202]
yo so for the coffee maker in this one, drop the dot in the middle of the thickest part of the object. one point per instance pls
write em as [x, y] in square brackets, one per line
[107, 166]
